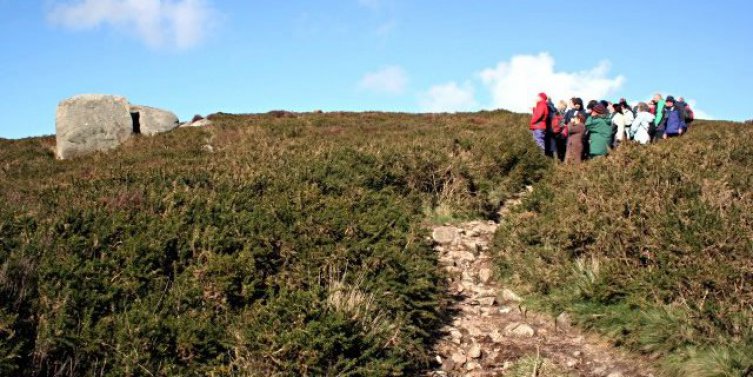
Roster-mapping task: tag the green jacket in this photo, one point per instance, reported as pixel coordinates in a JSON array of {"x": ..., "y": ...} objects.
[
  {"x": 660, "y": 111},
  {"x": 600, "y": 134}
]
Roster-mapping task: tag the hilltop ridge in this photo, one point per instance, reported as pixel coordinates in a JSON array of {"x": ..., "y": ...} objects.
[{"x": 300, "y": 244}]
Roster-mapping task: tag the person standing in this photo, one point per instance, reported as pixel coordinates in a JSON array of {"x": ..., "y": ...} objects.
[
  {"x": 641, "y": 125},
  {"x": 626, "y": 106},
  {"x": 539, "y": 120},
  {"x": 619, "y": 121},
  {"x": 628, "y": 112},
  {"x": 656, "y": 131},
  {"x": 576, "y": 130},
  {"x": 550, "y": 139},
  {"x": 576, "y": 109},
  {"x": 599, "y": 132},
  {"x": 559, "y": 128},
  {"x": 687, "y": 110},
  {"x": 673, "y": 122}
]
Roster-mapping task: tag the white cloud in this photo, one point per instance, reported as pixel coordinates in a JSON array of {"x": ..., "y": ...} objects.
[
  {"x": 388, "y": 80},
  {"x": 514, "y": 84},
  {"x": 449, "y": 97},
  {"x": 698, "y": 113},
  {"x": 178, "y": 24}
]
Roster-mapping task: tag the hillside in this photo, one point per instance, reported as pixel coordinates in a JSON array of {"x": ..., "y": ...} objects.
[
  {"x": 273, "y": 244},
  {"x": 652, "y": 247},
  {"x": 299, "y": 244}
]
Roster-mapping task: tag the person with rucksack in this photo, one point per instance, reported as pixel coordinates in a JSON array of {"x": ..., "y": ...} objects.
[
  {"x": 689, "y": 114},
  {"x": 559, "y": 127},
  {"x": 673, "y": 120},
  {"x": 550, "y": 139},
  {"x": 641, "y": 124},
  {"x": 599, "y": 131},
  {"x": 539, "y": 121}
]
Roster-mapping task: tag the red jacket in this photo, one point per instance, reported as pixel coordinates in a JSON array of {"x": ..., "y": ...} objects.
[{"x": 540, "y": 113}]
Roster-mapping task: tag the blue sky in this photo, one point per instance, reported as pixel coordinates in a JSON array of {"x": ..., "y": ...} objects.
[{"x": 203, "y": 56}]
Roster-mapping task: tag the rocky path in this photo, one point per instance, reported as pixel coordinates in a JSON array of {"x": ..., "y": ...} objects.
[{"x": 494, "y": 335}]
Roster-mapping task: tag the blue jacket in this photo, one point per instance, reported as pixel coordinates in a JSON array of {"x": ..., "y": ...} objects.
[{"x": 673, "y": 120}]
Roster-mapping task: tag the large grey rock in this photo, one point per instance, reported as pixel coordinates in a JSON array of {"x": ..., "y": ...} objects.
[
  {"x": 90, "y": 123},
  {"x": 151, "y": 121}
]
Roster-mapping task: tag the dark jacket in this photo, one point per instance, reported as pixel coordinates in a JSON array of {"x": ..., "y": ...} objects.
[
  {"x": 687, "y": 111},
  {"x": 673, "y": 120},
  {"x": 570, "y": 114}
]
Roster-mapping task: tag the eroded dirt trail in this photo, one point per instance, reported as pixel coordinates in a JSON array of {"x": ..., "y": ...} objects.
[{"x": 494, "y": 335}]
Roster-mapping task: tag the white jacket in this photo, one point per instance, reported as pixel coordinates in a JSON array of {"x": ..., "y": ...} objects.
[
  {"x": 618, "y": 120},
  {"x": 629, "y": 117},
  {"x": 639, "y": 128}
]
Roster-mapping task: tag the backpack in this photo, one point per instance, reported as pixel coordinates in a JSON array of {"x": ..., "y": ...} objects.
[
  {"x": 558, "y": 123},
  {"x": 554, "y": 119},
  {"x": 689, "y": 115}
]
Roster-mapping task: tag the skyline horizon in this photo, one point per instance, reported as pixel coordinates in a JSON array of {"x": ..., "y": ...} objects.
[{"x": 203, "y": 56}]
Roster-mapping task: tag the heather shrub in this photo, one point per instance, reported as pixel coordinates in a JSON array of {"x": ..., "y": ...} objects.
[
  {"x": 296, "y": 245},
  {"x": 652, "y": 246}
]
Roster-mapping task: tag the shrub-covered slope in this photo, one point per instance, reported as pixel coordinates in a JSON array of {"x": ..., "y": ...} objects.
[
  {"x": 263, "y": 245},
  {"x": 653, "y": 246}
]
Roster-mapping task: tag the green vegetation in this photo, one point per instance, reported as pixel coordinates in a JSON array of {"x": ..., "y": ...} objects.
[
  {"x": 652, "y": 246},
  {"x": 535, "y": 366},
  {"x": 264, "y": 245}
]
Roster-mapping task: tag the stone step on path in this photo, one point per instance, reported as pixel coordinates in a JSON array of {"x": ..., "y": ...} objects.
[{"x": 492, "y": 330}]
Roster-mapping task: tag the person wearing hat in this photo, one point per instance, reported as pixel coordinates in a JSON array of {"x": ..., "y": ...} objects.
[
  {"x": 599, "y": 131},
  {"x": 673, "y": 120},
  {"x": 538, "y": 121}
]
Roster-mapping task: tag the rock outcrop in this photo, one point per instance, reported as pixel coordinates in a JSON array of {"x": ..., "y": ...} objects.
[
  {"x": 151, "y": 121},
  {"x": 90, "y": 123},
  {"x": 97, "y": 122}
]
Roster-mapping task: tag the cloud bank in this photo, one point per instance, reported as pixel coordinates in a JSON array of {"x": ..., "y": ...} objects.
[
  {"x": 388, "y": 80},
  {"x": 180, "y": 24},
  {"x": 514, "y": 84},
  {"x": 699, "y": 114}
]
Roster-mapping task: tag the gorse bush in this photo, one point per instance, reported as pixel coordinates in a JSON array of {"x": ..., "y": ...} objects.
[
  {"x": 653, "y": 246},
  {"x": 292, "y": 246}
]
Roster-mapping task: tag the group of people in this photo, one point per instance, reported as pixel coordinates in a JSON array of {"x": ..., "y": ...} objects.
[{"x": 572, "y": 132}]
